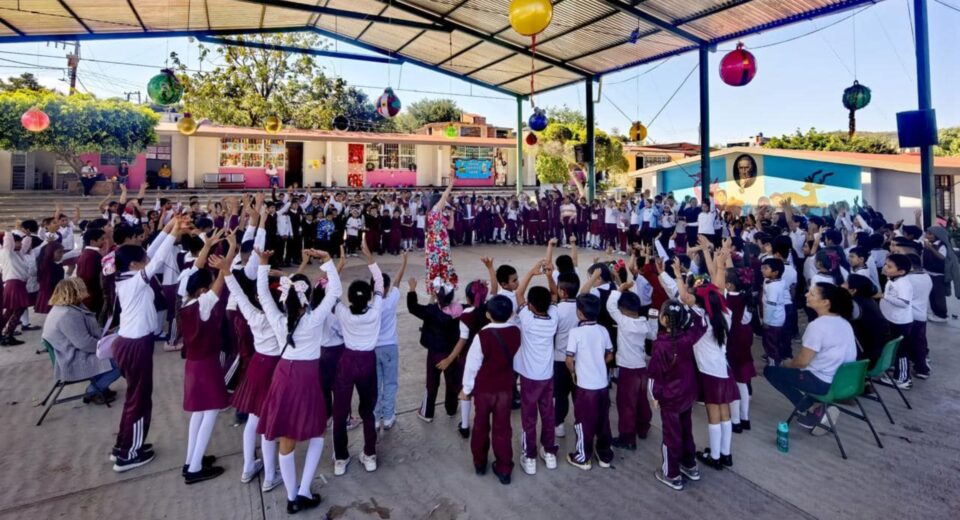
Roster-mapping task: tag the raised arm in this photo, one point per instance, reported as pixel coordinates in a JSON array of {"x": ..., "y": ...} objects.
[
  {"x": 270, "y": 309},
  {"x": 494, "y": 286},
  {"x": 402, "y": 270},
  {"x": 573, "y": 251},
  {"x": 522, "y": 288},
  {"x": 548, "y": 257},
  {"x": 207, "y": 246},
  {"x": 334, "y": 289},
  {"x": 442, "y": 203}
]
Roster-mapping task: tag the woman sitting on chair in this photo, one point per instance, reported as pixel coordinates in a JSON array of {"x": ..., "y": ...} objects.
[
  {"x": 828, "y": 342},
  {"x": 72, "y": 330}
]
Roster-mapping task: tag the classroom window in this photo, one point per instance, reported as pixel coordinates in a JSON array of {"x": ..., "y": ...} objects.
[
  {"x": 473, "y": 152},
  {"x": 391, "y": 156}
]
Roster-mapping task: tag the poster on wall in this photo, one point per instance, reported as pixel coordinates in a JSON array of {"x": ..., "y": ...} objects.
[
  {"x": 473, "y": 168},
  {"x": 355, "y": 166}
]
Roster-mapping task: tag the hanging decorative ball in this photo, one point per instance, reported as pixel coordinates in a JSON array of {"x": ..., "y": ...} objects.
[
  {"x": 35, "y": 120},
  {"x": 450, "y": 132},
  {"x": 272, "y": 124},
  {"x": 638, "y": 132},
  {"x": 531, "y": 139},
  {"x": 530, "y": 17},
  {"x": 341, "y": 123},
  {"x": 165, "y": 88},
  {"x": 738, "y": 67},
  {"x": 538, "y": 120},
  {"x": 388, "y": 104},
  {"x": 855, "y": 97},
  {"x": 187, "y": 125}
]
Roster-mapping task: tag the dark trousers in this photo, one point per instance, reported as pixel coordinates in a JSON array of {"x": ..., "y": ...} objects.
[
  {"x": 901, "y": 368},
  {"x": 135, "y": 360},
  {"x": 938, "y": 296},
  {"x": 918, "y": 333},
  {"x": 9, "y": 319},
  {"x": 793, "y": 383},
  {"x": 790, "y": 328},
  {"x": 356, "y": 369},
  {"x": 563, "y": 389},
  {"x": 87, "y": 185},
  {"x": 329, "y": 360},
  {"x": 592, "y": 411},
  {"x": 678, "y": 446},
  {"x": 495, "y": 407},
  {"x": 633, "y": 408},
  {"x": 295, "y": 249},
  {"x": 353, "y": 244},
  {"x": 467, "y": 232},
  {"x": 771, "y": 343},
  {"x": 610, "y": 236},
  {"x": 537, "y": 397},
  {"x": 452, "y": 376}
]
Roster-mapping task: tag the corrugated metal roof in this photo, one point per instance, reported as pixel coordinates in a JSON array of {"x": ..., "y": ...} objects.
[{"x": 472, "y": 38}]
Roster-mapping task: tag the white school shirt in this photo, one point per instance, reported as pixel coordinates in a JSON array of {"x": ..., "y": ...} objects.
[
  {"x": 643, "y": 289},
  {"x": 512, "y": 296},
  {"x": 706, "y": 222},
  {"x": 264, "y": 339},
  {"x": 632, "y": 334},
  {"x": 588, "y": 345},
  {"x": 797, "y": 238},
  {"x": 869, "y": 271},
  {"x": 332, "y": 335},
  {"x": 611, "y": 215},
  {"x": 895, "y": 304},
  {"x": 360, "y": 331},
  {"x": 774, "y": 300},
  {"x": 353, "y": 226},
  {"x": 475, "y": 358},
  {"x": 13, "y": 264},
  {"x": 789, "y": 281},
  {"x": 831, "y": 337},
  {"x": 139, "y": 317},
  {"x": 67, "y": 237},
  {"x": 921, "y": 284},
  {"x": 711, "y": 356},
  {"x": 535, "y": 359},
  {"x": 635, "y": 218},
  {"x": 388, "y": 319},
  {"x": 207, "y": 301},
  {"x": 306, "y": 337},
  {"x": 567, "y": 320},
  {"x": 878, "y": 257}
]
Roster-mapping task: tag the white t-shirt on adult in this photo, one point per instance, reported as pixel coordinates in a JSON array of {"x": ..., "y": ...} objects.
[
  {"x": 831, "y": 337},
  {"x": 534, "y": 360},
  {"x": 706, "y": 222},
  {"x": 589, "y": 344}
]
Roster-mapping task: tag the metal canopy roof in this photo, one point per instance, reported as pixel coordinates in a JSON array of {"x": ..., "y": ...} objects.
[{"x": 469, "y": 39}]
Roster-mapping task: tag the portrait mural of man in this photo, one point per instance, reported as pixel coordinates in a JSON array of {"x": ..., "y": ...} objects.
[{"x": 745, "y": 171}]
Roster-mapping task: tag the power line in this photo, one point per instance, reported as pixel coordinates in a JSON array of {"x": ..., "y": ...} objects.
[
  {"x": 948, "y": 6},
  {"x": 816, "y": 30}
]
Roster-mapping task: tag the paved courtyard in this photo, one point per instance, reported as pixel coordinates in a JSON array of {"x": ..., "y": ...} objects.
[{"x": 61, "y": 470}]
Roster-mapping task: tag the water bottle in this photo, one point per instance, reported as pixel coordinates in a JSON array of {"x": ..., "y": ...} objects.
[{"x": 783, "y": 437}]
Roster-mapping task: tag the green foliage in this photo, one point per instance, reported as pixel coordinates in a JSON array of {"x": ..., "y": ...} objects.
[
  {"x": 248, "y": 85},
  {"x": 567, "y": 129},
  {"x": 428, "y": 111},
  {"x": 25, "y": 81},
  {"x": 832, "y": 142},
  {"x": 949, "y": 143},
  {"x": 567, "y": 116},
  {"x": 78, "y": 124},
  {"x": 552, "y": 168}
]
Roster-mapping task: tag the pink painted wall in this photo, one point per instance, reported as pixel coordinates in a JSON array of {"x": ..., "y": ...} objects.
[
  {"x": 475, "y": 182},
  {"x": 391, "y": 177},
  {"x": 138, "y": 168},
  {"x": 253, "y": 177}
]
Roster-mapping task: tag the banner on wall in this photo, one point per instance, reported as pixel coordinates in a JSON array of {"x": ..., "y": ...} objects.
[
  {"x": 473, "y": 168},
  {"x": 355, "y": 166}
]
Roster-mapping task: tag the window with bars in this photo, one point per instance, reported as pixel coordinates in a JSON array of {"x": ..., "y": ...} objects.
[
  {"x": 944, "y": 195},
  {"x": 391, "y": 156},
  {"x": 473, "y": 152}
]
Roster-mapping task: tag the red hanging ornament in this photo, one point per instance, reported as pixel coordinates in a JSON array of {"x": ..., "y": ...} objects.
[
  {"x": 738, "y": 67},
  {"x": 35, "y": 120},
  {"x": 531, "y": 139}
]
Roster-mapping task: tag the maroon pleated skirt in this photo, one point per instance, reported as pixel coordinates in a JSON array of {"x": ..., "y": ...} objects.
[
  {"x": 15, "y": 295},
  {"x": 253, "y": 388},
  {"x": 294, "y": 407},
  {"x": 719, "y": 391},
  {"x": 203, "y": 385}
]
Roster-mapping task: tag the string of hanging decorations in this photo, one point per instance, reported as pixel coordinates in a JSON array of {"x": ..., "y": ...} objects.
[{"x": 530, "y": 18}]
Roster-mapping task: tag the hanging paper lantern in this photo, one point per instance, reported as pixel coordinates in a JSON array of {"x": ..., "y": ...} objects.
[
  {"x": 538, "y": 120},
  {"x": 341, "y": 123},
  {"x": 855, "y": 97},
  {"x": 738, "y": 67},
  {"x": 450, "y": 132},
  {"x": 35, "y": 120},
  {"x": 530, "y": 17},
  {"x": 187, "y": 125},
  {"x": 638, "y": 132},
  {"x": 531, "y": 139},
  {"x": 388, "y": 104},
  {"x": 272, "y": 124},
  {"x": 165, "y": 88}
]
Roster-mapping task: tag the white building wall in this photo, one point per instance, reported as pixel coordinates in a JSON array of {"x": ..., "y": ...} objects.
[
  {"x": 896, "y": 194},
  {"x": 6, "y": 171},
  {"x": 314, "y": 172},
  {"x": 179, "y": 157}
]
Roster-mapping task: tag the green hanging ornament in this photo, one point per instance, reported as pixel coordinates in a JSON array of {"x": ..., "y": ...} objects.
[
  {"x": 855, "y": 97},
  {"x": 165, "y": 88},
  {"x": 450, "y": 132}
]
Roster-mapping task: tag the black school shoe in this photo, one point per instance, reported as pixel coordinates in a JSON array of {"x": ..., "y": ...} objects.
[
  {"x": 705, "y": 458},
  {"x": 464, "y": 432},
  {"x": 206, "y": 462},
  {"x": 737, "y": 428},
  {"x": 745, "y": 424},
  {"x": 205, "y": 473},
  {"x": 302, "y": 503},
  {"x": 617, "y": 443},
  {"x": 480, "y": 470},
  {"x": 726, "y": 460},
  {"x": 504, "y": 478},
  {"x": 10, "y": 341}
]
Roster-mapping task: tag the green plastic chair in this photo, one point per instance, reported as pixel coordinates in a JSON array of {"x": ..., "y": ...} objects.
[
  {"x": 884, "y": 367},
  {"x": 59, "y": 385},
  {"x": 848, "y": 384}
]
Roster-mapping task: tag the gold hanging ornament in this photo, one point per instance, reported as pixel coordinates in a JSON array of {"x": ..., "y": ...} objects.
[
  {"x": 272, "y": 124},
  {"x": 187, "y": 125},
  {"x": 638, "y": 132}
]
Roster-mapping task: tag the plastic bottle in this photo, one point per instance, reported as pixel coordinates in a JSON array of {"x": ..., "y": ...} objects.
[{"x": 783, "y": 437}]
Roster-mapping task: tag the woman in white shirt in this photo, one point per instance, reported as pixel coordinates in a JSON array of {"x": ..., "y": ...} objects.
[
  {"x": 828, "y": 342},
  {"x": 273, "y": 175}
]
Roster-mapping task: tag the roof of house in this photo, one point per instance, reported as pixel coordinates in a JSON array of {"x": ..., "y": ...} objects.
[{"x": 907, "y": 163}]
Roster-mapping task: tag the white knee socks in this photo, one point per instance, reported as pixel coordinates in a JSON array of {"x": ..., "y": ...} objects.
[
  {"x": 744, "y": 402},
  {"x": 735, "y": 412},
  {"x": 195, "y": 419},
  {"x": 314, "y": 451},
  {"x": 465, "y": 414},
  {"x": 726, "y": 434},
  {"x": 288, "y": 469},
  {"x": 269, "y": 453},
  {"x": 715, "y": 440},
  {"x": 250, "y": 443},
  {"x": 203, "y": 438}
]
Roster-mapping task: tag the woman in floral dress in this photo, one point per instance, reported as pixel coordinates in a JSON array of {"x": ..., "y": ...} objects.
[{"x": 439, "y": 263}]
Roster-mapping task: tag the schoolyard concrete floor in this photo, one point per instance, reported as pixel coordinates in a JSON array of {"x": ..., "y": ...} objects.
[{"x": 61, "y": 469}]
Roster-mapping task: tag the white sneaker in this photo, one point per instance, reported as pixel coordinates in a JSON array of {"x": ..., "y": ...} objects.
[
  {"x": 560, "y": 431},
  {"x": 548, "y": 458},
  {"x": 270, "y": 483},
  {"x": 934, "y": 318},
  {"x": 529, "y": 466},
  {"x": 388, "y": 423},
  {"x": 424, "y": 418},
  {"x": 369, "y": 462},
  {"x": 246, "y": 477},
  {"x": 340, "y": 466}
]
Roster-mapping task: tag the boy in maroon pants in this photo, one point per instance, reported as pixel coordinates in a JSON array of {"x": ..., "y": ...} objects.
[{"x": 488, "y": 378}]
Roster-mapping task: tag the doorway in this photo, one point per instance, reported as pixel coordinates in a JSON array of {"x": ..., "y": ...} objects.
[{"x": 294, "y": 170}]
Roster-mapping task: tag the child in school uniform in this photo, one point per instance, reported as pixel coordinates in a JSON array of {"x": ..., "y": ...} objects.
[
  {"x": 488, "y": 382},
  {"x": 14, "y": 272},
  {"x": 588, "y": 351},
  {"x": 739, "y": 344},
  {"x": 513, "y": 222},
  {"x": 774, "y": 305},
  {"x": 407, "y": 229},
  {"x": 354, "y": 226},
  {"x": 421, "y": 227},
  {"x": 922, "y": 285},
  {"x": 568, "y": 285},
  {"x": 895, "y": 306},
  {"x": 388, "y": 354},
  {"x": 439, "y": 335}
]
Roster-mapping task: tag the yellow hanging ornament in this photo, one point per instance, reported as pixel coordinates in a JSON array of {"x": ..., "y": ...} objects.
[
  {"x": 530, "y": 17},
  {"x": 272, "y": 124},
  {"x": 187, "y": 125},
  {"x": 638, "y": 132}
]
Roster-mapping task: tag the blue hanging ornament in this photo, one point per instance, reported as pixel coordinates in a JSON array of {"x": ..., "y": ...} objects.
[{"x": 538, "y": 120}]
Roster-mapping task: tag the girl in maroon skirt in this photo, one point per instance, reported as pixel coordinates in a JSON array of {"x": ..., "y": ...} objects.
[
  {"x": 396, "y": 234},
  {"x": 407, "y": 229},
  {"x": 740, "y": 302},
  {"x": 49, "y": 274},
  {"x": 293, "y": 410}
]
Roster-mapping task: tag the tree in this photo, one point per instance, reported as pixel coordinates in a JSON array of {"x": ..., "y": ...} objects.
[
  {"x": 949, "y": 143},
  {"x": 25, "y": 81},
  {"x": 428, "y": 111},
  {"x": 567, "y": 116},
  {"x": 832, "y": 142},
  {"x": 566, "y": 130},
  {"x": 78, "y": 124},
  {"x": 250, "y": 84}
]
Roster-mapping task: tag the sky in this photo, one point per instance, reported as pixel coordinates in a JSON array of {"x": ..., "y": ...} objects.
[{"x": 802, "y": 71}]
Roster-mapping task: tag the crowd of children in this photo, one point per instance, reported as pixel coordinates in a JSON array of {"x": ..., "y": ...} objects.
[{"x": 672, "y": 325}]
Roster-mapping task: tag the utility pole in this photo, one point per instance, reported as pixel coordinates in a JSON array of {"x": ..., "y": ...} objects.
[
  {"x": 73, "y": 61},
  {"x": 130, "y": 94}
]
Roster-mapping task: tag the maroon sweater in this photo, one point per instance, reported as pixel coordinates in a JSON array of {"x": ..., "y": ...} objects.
[{"x": 496, "y": 371}]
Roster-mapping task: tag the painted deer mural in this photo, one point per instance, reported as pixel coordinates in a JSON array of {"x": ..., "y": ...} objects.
[{"x": 810, "y": 185}]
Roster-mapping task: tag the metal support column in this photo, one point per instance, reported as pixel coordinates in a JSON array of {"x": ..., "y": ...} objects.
[
  {"x": 520, "y": 149},
  {"x": 588, "y": 147},
  {"x": 704, "y": 124},
  {"x": 927, "y": 181}
]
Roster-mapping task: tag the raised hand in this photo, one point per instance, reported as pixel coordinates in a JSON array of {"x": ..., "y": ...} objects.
[
  {"x": 412, "y": 282},
  {"x": 264, "y": 256}
]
